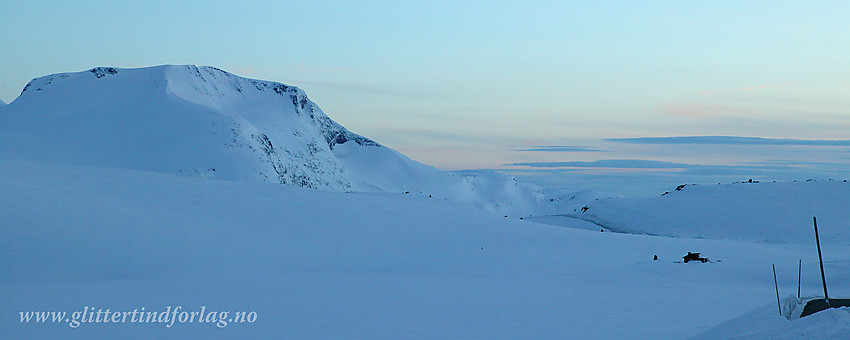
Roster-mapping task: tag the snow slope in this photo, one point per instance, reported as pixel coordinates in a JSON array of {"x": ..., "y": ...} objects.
[
  {"x": 761, "y": 212},
  {"x": 320, "y": 264},
  {"x": 205, "y": 122},
  {"x": 391, "y": 171}
]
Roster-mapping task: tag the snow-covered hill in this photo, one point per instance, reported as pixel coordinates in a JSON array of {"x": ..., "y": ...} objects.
[
  {"x": 205, "y": 122},
  {"x": 761, "y": 212},
  {"x": 200, "y": 122}
]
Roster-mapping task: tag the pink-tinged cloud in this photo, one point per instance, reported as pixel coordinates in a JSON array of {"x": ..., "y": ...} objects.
[
  {"x": 423, "y": 150},
  {"x": 532, "y": 141},
  {"x": 698, "y": 110},
  {"x": 743, "y": 89}
]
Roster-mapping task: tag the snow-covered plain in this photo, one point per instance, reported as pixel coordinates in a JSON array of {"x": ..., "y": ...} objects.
[
  {"x": 318, "y": 264},
  {"x": 162, "y": 186},
  {"x": 759, "y": 212}
]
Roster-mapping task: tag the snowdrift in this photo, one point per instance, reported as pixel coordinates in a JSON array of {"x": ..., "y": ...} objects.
[{"x": 765, "y": 323}]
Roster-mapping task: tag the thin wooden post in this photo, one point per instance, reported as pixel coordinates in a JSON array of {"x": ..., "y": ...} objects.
[
  {"x": 799, "y": 277},
  {"x": 820, "y": 260},
  {"x": 776, "y": 284}
]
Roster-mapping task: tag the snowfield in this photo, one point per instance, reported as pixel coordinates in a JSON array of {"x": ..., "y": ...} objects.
[
  {"x": 188, "y": 186},
  {"x": 759, "y": 212},
  {"x": 318, "y": 264}
]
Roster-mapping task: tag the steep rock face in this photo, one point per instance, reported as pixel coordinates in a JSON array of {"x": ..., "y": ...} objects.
[{"x": 198, "y": 121}]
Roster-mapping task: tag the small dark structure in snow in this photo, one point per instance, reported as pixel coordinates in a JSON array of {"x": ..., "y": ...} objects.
[
  {"x": 817, "y": 305},
  {"x": 694, "y": 257}
]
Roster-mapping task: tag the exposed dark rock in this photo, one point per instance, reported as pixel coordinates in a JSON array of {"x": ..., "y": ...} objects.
[{"x": 101, "y": 72}]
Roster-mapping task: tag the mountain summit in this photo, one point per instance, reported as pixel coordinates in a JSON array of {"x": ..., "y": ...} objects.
[
  {"x": 207, "y": 123},
  {"x": 197, "y": 121}
]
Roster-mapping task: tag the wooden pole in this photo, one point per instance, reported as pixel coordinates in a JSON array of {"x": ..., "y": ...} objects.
[
  {"x": 820, "y": 260},
  {"x": 799, "y": 277},
  {"x": 776, "y": 285}
]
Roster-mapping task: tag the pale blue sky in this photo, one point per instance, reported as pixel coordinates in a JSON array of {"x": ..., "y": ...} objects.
[{"x": 464, "y": 84}]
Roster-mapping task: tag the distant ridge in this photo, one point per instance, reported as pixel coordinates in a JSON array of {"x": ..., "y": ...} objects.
[{"x": 730, "y": 140}]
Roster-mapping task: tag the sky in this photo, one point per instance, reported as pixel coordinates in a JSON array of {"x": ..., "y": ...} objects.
[{"x": 525, "y": 88}]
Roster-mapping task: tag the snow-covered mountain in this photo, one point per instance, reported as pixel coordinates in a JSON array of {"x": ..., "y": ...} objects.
[
  {"x": 205, "y": 122},
  {"x": 98, "y": 210},
  {"x": 176, "y": 119}
]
